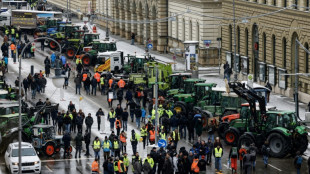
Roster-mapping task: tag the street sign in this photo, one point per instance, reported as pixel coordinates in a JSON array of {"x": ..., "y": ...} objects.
[
  {"x": 174, "y": 58},
  {"x": 150, "y": 46},
  {"x": 207, "y": 43},
  {"x": 162, "y": 143}
]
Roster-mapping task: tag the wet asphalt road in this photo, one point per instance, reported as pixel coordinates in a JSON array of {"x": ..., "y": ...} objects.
[{"x": 57, "y": 164}]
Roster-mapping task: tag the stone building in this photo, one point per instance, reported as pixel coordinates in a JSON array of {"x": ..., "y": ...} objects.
[
  {"x": 78, "y": 7},
  {"x": 265, "y": 44}
]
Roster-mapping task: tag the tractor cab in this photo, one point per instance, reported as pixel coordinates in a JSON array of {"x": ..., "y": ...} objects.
[
  {"x": 89, "y": 38},
  {"x": 135, "y": 64},
  {"x": 9, "y": 108},
  {"x": 189, "y": 85},
  {"x": 177, "y": 82},
  {"x": 164, "y": 71}
]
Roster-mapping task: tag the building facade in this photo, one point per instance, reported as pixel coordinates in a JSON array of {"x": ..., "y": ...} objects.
[
  {"x": 266, "y": 33},
  {"x": 78, "y": 7}
]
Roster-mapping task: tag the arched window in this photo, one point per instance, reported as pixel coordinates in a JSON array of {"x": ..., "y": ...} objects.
[
  {"x": 273, "y": 46},
  {"x": 296, "y": 4},
  {"x": 183, "y": 30},
  {"x": 190, "y": 31},
  {"x": 246, "y": 42},
  {"x": 284, "y": 3},
  {"x": 264, "y": 47},
  {"x": 230, "y": 37},
  {"x": 238, "y": 40},
  {"x": 275, "y": 2},
  {"x": 265, "y": 1},
  {"x": 197, "y": 32},
  {"x": 306, "y": 58},
  {"x": 284, "y": 53},
  {"x": 307, "y": 5}
]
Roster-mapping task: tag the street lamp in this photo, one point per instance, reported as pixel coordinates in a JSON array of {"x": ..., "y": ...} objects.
[{"x": 20, "y": 101}]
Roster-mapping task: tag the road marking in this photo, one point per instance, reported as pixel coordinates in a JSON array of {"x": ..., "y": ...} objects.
[
  {"x": 49, "y": 169},
  {"x": 275, "y": 167},
  {"x": 45, "y": 161}
]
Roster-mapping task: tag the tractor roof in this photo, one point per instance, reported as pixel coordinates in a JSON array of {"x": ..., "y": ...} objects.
[
  {"x": 206, "y": 84},
  {"x": 92, "y": 34},
  {"x": 6, "y": 101},
  {"x": 2, "y": 91},
  {"x": 103, "y": 41},
  {"x": 11, "y": 115},
  {"x": 281, "y": 112},
  {"x": 8, "y": 105},
  {"x": 181, "y": 74},
  {"x": 194, "y": 80},
  {"x": 42, "y": 126}
]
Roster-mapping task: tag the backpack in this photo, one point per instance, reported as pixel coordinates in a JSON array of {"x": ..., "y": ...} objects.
[{"x": 299, "y": 160}]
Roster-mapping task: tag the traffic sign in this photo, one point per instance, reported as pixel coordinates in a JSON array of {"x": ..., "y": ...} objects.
[
  {"x": 174, "y": 58},
  {"x": 162, "y": 143},
  {"x": 207, "y": 43},
  {"x": 150, "y": 46}
]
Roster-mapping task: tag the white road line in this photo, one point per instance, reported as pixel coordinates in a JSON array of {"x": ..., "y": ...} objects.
[
  {"x": 45, "y": 161},
  {"x": 49, "y": 169},
  {"x": 275, "y": 167}
]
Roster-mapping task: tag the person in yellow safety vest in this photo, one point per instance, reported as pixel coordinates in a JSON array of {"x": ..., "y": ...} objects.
[
  {"x": 121, "y": 166},
  {"x": 97, "y": 147},
  {"x": 107, "y": 145},
  {"x": 194, "y": 165},
  {"x": 162, "y": 135},
  {"x": 7, "y": 31},
  {"x": 111, "y": 117},
  {"x": 160, "y": 111},
  {"x": 153, "y": 117},
  {"x": 150, "y": 160},
  {"x": 175, "y": 137},
  {"x": 218, "y": 153},
  {"x": 115, "y": 165},
  {"x": 17, "y": 35},
  {"x": 78, "y": 61},
  {"x": 13, "y": 32},
  {"x": 116, "y": 147},
  {"x": 169, "y": 113},
  {"x": 143, "y": 132},
  {"x": 102, "y": 85},
  {"x": 126, "y": 161},
  {"x": 134, "y": 159},
  {"x": 95, "y": 166}
]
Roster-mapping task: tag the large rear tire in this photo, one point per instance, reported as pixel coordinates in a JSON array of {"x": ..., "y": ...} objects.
[
  {"x": 279, "y": 145},
  {"x": 180, "y": 107},
  {"x": 86, "y": 59},
  {"x": 245, "y": 140},
  {"x": 222, "y": 128},
  {"x": 70, "y": 52},
  {"x": 49, "y": 149},
  {"x": 231, "y": 137},
  {"x": 53, "y": 45}
]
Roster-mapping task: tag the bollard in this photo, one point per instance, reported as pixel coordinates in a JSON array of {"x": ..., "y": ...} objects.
[{"x": 32, "y": 70}]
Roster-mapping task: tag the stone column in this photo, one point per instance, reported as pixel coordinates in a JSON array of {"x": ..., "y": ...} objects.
[
  {"x": 162, "y": 27},
  {"x": 128, "y": 25},
  {"x": 116, "y": 28},
  {"x": 153, "y": 32},
  {"x": 140, "y": 29},
  {"x": 134, "y": 25}
]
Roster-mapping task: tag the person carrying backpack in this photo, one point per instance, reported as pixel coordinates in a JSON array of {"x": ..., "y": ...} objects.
[
  {"x": 298, "y": 161},
  {"x": 265, "y": 152},
  {"x": 233, "y": 155}
]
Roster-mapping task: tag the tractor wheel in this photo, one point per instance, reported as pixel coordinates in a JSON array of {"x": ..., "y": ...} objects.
[
  {"x": 229, "y": 112},
  {"x": 180, "y": 107},
  {"x": 86, "y": 59},
  {"x": 70, "y": 52},
  {"x": 49, "y": 149},
  {"x": 303, "y": 146},
  {"x": 279, "y": 145},
  {"x": 231, "y": 137},
  {"x": 52, "y": 45},
  {"x": 222, "y": 128},
  {"x": 245, "y": 140}
]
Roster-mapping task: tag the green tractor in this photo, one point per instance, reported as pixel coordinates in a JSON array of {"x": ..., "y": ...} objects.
[
  {"x": 186, "y": 86},
  {"x": 64, "y": 30},
  {"x": 48, "y": 26},
  {"x": 79, "y": 40},
  {"x": 177, "y": 81},
  {"x": 135, "y": 64},
  {"x": 89, "y": 54},
  {"x": 281, "y": 129}
]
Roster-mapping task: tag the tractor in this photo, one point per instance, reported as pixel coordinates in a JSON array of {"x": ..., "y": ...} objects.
[
  {"x": 177, "y": 81},
  {"x": 281, "y": 129},
  {"x": 64, "y": 31},
  {"x": 89, "y": 54},
  {"x": 186, "y": 86},
  {"x": 48, "y": 26},
  {"x": 44, "y": 138}
]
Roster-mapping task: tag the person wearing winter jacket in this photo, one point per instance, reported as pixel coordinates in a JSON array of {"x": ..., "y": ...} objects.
[
  {"x": 78, "y": 143},
  {"x": 125, "y": 119},
  {"x": 89, "y": 122},
  {"x": 93, "y": 86},
  {"x": 87, "y": 83},
  {"x": 66, "y": 139},
  {"x": 132, "y": 107},
  {"x": 120, "y": 95},
  {"x": 233, "y": 155},
  {"x": 99, "y": 114},
  {"x": 79, "y": 122},
  {"x": 168, "y": 167},
  {"x": 174, "y": 122},
  {"x": 183, "y": 121},
  {"x": 147, "y": 169},
  {"x": 119, "y": 111},
  {"x": 265, "y": 152},
  {"x": 138, "y": 114}
]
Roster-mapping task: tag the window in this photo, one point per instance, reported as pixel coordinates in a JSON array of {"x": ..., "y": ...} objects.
[
  {"x": 238, "y": 40},
  {"x": 230, "y": 37},
  {"x": 265, "y": 1},
  {"x": 197, "y": 31},
  {"x": 306, "y": 58},
  {"x": 284, "y": 53},
  {"x": 275, "y": 2},
  {"x": 273, "y": 49},
  {"x": 284, "y": 3},
  {"x": 296, "y": 4},
  {"x": 246, "y": 42},
  {"x": 264, "y": 47},
  {"x": 307, "y": 5}
]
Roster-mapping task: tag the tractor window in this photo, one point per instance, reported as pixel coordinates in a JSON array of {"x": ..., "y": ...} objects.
[
  {"x": 287, "y": 120},
  {"x": 175, "y": 82},
  {"x": 2, "y": 111},
  {"x": 271, "y": 121},
  {"x": 188, "y": 88},
  {"x": 3, "y": 96}
]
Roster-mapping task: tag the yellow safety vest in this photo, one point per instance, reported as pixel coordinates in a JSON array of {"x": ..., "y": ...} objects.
[
  {"x": 17, "y": 35},
  {"x": 96, "y": 144},
  {"x": 102, "y": 81},
  {"x": 169, "y": 113},
  {"x": 12, "y": 31},
  {"x": 143, "y": 132},
  {"x": 160, "y": 112},
  {"x": 112, "y": 115},
  {"x": 218, "y": 152},
  {"x": 126, "y": 161},
  {"x": 115, "y": 166},
  {"x": 153, "y": 114},
  {"x": 106, "y": 145},
  {"x": 7, "y": 31},
  {"x": 162, "y": 135},
  {"x": 151, "y": 161},
  {"x": 173, "y": 135},
  {"x": 115, "y": 144}
]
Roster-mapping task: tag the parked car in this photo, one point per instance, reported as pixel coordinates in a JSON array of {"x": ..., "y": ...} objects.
[{"x": 31, "y": 163}]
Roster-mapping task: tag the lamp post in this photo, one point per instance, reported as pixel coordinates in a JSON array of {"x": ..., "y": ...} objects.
[{"x": 20, "y": 101}]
